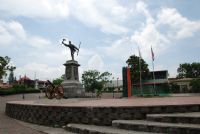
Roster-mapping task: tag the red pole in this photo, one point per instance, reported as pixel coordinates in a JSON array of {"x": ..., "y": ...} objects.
[{"x": 129, "y": 81}]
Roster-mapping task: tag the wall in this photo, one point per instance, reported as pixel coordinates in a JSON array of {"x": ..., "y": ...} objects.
[{"x": 60, "y": 115}]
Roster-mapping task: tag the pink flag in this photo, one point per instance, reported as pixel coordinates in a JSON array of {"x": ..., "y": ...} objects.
[{"x": 152, "y": 54}]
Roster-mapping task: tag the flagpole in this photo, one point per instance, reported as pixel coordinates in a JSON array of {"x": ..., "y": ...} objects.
[
  {"x": 140, "y": 77},
  {"x": 140, "y": 57},
  {"x": 154, "y": 86}
]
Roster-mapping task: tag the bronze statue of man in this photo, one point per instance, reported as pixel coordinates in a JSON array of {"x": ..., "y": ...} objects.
[{"x": 72, "y": 48}]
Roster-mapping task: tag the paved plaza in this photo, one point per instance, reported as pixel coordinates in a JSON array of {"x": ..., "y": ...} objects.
[
  {"x": 123, "y": 102},
  {"x": 12, "y": 126}
]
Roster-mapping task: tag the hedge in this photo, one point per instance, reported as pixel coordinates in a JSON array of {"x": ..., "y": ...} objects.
[{"x": 18, "y": 89}]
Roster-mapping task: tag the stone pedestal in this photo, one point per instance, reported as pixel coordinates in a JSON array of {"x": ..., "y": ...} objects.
[{"x": 72, "y": 86}]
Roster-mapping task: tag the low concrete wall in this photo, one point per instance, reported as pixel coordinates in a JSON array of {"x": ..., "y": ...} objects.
[{"x": 61, "y": 115}]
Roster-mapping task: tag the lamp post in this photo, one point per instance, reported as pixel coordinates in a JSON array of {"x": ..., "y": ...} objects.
[
  {"x": 113, "y": 87},
  {"x": 117, "y": 84}
]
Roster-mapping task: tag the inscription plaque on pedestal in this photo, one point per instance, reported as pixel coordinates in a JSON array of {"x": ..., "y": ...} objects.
[{"x": 72, "y": 86}]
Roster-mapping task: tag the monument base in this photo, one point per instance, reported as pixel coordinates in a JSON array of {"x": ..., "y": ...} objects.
[{"x": 73, "y": 89}]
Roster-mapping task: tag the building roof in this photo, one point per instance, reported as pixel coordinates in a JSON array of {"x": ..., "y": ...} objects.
[
  {"x": 24, "y": 78},
  {"x": 180, "y": 80},
  {"x": 159, "y": 71},
  {"x": 114, "y": 83}
]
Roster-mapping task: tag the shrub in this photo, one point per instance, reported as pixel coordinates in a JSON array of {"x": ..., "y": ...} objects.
[{"x": 17, "y": 89}]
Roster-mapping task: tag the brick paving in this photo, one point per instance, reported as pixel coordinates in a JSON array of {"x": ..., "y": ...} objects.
[
  {"x": 9, "y": 125},
  {"x": 134, "y": 101}
]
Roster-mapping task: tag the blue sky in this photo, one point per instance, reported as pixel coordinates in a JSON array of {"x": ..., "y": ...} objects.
[{"x": 110, "y": 31}]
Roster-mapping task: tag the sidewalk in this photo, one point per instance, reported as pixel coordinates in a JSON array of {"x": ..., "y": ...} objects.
[
  {"x": 13, "y": 126},
  {"x": 185, "y": 94},
  {"x": 9, "y": 125}
]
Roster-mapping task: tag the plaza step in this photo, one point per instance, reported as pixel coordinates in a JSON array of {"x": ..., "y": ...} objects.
[
  {"x": 190, "y": 118},
  {"x": 92, "y": 129},
  {"x": 158, "y": 127}
]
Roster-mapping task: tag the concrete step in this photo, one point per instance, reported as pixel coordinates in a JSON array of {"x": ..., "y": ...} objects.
[
  {"x": 190, "y": 118},
  {"x": 92, "y": 129},
  {"x": 159, "y": 127}
]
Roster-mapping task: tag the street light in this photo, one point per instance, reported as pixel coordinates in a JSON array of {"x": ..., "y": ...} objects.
[
  {"x": 113, "y": 87},
  {"x": 117, "y": 84}
]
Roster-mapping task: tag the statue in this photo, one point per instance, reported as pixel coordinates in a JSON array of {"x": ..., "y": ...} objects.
[
  {"x": 71, "y": 84},
  {"x": 72, "y": 48}
]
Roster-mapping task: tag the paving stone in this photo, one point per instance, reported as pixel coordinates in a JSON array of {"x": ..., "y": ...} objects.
[
  {"x": 195, "y": 108},
  {"x": 172, "y": 128},
  {"x": 190, "y": 118},
  {"x": 92, "y": 129},
  {"x": 101, "y": 111}
]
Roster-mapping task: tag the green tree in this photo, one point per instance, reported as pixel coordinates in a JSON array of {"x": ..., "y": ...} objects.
[
  {"x": 94, "y": 80},
  {"x": 195, "y": 85},
  {"x": 4, "y": 66},
  {"x": 188, "y": 70},
  {"x": 58, "y": 81},
  {"x": 133, "y": 62},
  {"x": 11, "y": 78}
]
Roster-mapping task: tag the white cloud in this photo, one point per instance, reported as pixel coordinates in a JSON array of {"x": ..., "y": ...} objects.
[
  {"x": 180, "y": 26},
  {"x": 43, "y": 71},
  {"x": 120, "y": 49},
  {"x": 107, "y": 15},
  {"x": 104, "y": 14},
  {"x": 172, "y": 70},
  {"x": 96, "y": 62},
  {"x": 150, "y": 36},
  {"x": 150, "y": 33},
  {"x": 119, "y": 13},
  {"x": 35, "y": 9},
  {"x": 38, "y": 42},
  {"x": 84, "y": 55},
  {"x": 17, "y": 29},
  {"x": 141, "y": 7},
  {"x": 11, "y": 32}
]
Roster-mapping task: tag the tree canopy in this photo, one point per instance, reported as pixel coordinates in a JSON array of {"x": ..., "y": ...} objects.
[
  {"x": 195, "y": 85},
  {"x": 188, "y": 70},
  {"x": 58, "y": 81},
  {"x": 4, "y": 61},
  {"x": 11, "y": 75},
  {"x": 133, "y": 62},
  {"x": 94, "y": 80}
]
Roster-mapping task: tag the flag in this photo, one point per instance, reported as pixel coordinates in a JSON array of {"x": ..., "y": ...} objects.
[{"x": 152, "y": 54}]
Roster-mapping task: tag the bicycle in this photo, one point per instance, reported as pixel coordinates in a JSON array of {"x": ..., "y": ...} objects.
[{"x": 53, "y": 91}]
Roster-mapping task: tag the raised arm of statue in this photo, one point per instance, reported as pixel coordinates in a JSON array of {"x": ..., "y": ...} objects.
[
  {"x": 63, "y": 42},
  {"x": 72, "y": 48}
]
